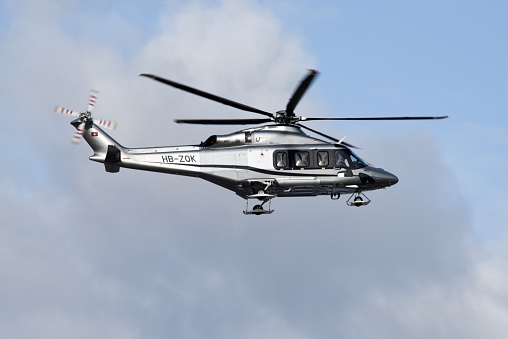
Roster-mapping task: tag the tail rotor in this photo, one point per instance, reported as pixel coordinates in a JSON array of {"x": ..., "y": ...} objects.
[{"x": 85, "y": 118}]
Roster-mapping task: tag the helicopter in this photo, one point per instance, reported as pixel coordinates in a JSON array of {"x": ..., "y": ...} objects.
[{"x": 261, "y": 163}]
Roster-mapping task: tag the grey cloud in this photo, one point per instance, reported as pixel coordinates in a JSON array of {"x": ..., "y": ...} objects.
[{"x": 131, "y": 255}]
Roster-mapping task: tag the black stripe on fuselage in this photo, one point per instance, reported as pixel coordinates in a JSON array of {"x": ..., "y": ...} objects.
[{"x": 258, "y": 170}]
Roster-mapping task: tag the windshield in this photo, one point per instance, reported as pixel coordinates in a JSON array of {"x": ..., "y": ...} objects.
[
  {"x": 344, "y": 158},
  {"x": 357, "y": 161}
]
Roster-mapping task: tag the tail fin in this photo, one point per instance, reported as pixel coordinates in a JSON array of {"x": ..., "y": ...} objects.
[{"x": 106, "y": 149}]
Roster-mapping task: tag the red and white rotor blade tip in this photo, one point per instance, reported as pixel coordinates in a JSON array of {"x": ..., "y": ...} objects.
[
  {"x": 79, "y": 134},
  {"x": 92, "y": 99},
  {"x": 106, "y": 123},
  {"x": 65, "y": 111}
]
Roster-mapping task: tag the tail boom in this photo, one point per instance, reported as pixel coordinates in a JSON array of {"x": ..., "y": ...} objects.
[{"x": 182, "y": 160}]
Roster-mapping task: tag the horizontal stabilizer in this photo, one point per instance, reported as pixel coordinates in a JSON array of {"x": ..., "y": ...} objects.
[
  {"x": 113, "y": 155},
  {"x": 112, "y": 158},
  {"x": 112, "y": 168}
]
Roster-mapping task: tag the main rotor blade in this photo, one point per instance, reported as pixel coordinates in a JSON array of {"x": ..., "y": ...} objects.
[
  {"x": 380, "y": 118},
  {"x": 223, "y": 121},
  {"x": 327, "y": 136},
  {"x": 299, "y": 92},
  {"x": 208, "y": 95}
]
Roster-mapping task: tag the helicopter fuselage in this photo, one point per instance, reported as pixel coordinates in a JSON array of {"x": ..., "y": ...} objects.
[{"x": 263, "y": 162}]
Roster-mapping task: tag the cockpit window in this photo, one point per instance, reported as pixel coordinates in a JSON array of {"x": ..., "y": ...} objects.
[
  {"x": 358, "y": 163},
  {"x": 302, "y": 159},
  {"x": 322, "y": 158},
  {"x": 347, "y": 159}
]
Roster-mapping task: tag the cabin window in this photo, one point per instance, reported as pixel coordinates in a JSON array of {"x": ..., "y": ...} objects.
[
  {"x": 281, "y": 159},
  {"x": 341, "y": 159},
  {"x": 322, "y": 158},
  {"x": 302, "y": 159}
]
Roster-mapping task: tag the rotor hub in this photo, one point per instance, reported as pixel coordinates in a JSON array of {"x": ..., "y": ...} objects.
[
  {"x": 86, "y": 116},
  {"x": 283, "y": 118}
]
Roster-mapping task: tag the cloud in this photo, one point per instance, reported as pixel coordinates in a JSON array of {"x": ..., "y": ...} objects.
[{"x": 90, "y": 254}]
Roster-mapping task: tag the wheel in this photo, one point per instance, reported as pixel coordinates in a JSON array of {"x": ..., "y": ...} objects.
[
  {"x": 358, "y": 201},
  {"x": 257, "y": 208}
]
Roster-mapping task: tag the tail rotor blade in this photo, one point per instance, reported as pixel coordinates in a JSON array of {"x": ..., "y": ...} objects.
[
  {"x": 79, "y": 133},
  {"x": 92, "y": 99},
  {"x": 106, "y": 123},
  {"x": 65, "y": 111}
]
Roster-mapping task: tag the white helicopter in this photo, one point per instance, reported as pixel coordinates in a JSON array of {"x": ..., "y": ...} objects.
[{"x": 261, "y": 163}]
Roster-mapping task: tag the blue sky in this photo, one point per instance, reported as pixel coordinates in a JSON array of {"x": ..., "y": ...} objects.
[
  {"x": 431, "y": 58},
  {"x": 85, "y": 253}
]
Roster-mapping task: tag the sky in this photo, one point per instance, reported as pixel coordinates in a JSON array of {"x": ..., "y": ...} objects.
[{"x": 85, "y": 253}]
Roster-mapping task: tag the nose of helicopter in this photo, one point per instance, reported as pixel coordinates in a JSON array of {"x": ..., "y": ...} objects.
[
  {"x": 385, "y": 178},
  {"x": 392, "y": 179}
]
